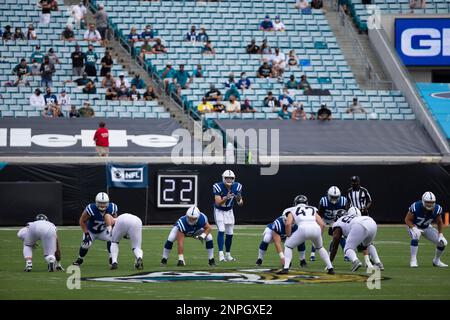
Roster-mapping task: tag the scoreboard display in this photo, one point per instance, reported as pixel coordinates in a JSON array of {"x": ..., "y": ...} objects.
[{"x": 177, "y": 190}]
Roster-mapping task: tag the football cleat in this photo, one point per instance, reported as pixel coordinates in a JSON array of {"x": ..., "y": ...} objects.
[
  {"x": 78, "y": 262},
  {"x": 413, "y": 263},
  {"x": 330, "y": 271},
  {"x": 356, "y": 265},
  {"x": 439, "y": 263},
  {"x": 283, "y": 271},
  {"x": 212, "y": 262},
  {"x": 114, "y": 266},
  {"x": 59, "y": 267},
  {"x": 312, "y": 258},
  {"x": 181, "y": 263},
  {"x": 51, "y": 266},
  {"x": 303, "y": 263},
  {"x": 228, "y": 257},
  {"x": 379, "y": 266},
  {"x": 139, "y": 264},
  {"x": 28, "y": 267},
  {"x": 221, "y": 256},
  {"x": 259, "y": 262},
  {"x": 110, "y": 261},
  {"x": 163, "y": 262}
]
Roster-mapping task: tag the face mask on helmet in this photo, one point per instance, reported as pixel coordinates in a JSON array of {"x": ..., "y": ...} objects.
[
  {"x": 428, "y": 200},
  {"x": 228, "y": 177},
  {"x": 102, "y": 201},
  {"x": 300, "y": 199},
  {"x": 334, "y": 194},
  {"x": 192, "y": 215}
]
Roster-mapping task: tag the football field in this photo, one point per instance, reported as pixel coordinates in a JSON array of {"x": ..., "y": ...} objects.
[{"x": 230, "y": 280}]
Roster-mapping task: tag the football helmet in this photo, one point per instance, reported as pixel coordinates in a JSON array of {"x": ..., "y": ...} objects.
[
  {"x": 429, "y": 200},
  {"x": 192, "y": 214},
  {"x": 102, "y": 201},
  {"x": 41, "y": 216},
  {"x": 300, "y": 199},
  {"x": 334, "y": 194},
  {"x": 354, "y": 211},
  {"x": 228, "y": 177}
]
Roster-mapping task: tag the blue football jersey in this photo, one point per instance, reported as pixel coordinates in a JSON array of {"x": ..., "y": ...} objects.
[
  {"x": 330, "y": 210},
  {"x": 279, "y": 227},
  {"x": 422, "y": 216},
  {"x": 188, "y": 229},
  {"x": 220, "y": 189},
  {"x": 96, "y": 222}
]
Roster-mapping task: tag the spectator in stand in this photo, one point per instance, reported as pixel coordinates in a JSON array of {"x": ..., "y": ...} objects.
[
  {"x": 299, "y": 113},
  {"x": 83, "y": 81},
  {"x": 265, "y": 70},
  {"x": 79, "y": 13},
  {"x": 278, "y": 25},
  {"x": 31, "y": 33},
  {"x": 213, "y": 94},
  {"x": 101, "y": 21},
  {"x": 292, "y": 83},
  {"x": 230, "y": 81},
  {"x": 355, "y": 107},
  {"x": 47, "y": 112},
  {"x": 47, "y": 71},
  {"x": 7, "y": 34},
  {"x": 148, "y": 34},
  {"x": 92, "y": 34},
  {"x": 232, "y": 105},
  {"x": 50, "y": 98},
  {"x": 53, "y": 57},
  {"x": 45, "y": 11},
  {"x": 246, "y": 107},
  {"x": 302, "y": 4},
  {"x": 244, "y": 82},
  {"x": 292, "y": 58},
  {"x": 57, "y": 112},
  {"x": 86, "y": 110},
  {"x": 208, "y": 48},
  {"x": 233, "y": 91},
  {"x": 284, "y": 114},
  {"x": 174, "y": 89},
  {"x": 90, "y": 61},
  {"x": 37, "y": 100},
  {"x": 324, "y": 114},
  {"x": 158, "y": 47},
  {"x": 278, "y": 64},
  {"x": 205, "y": 106},
  {"x": 198, "y": 72},
  {"x": 53, "y": 5},
  {"x": 191, "y": 35},
  {"x": 64, "y": 101},
  {"x": 285, "y": 98},
  {"x": 18, "y": 34},
  {"x": 265, "y": 48},
  {"x": 146, "y": 48},
  {"x": 122, "y": 93},
  {"x": 312, "y": 116},
  {"x": 202, "y": 36},
  {"x": 266, "y": 24},
  {"x": 101, "y": 138},
  {"x": 218, "y": 106},
  {"x": 77, "y": 62},
  {"x": 149, "y": 94},
  {"x": 183, "y": 77},
  {"x": 138, "y": 82},
  {"x": 90, "y": 88},
  {"x": 317, "y": 4},
  {"x": 73, "y": 113},
  {"x": 122, "y": 81},
  {"x": 415, "y": 4},
  {"x": 22, "y": 71},
  {"x": 111, "y": 94},
  {"x": 133, "y": 37},
  {"x": 253, "y": 48},
  {"x": 35, "y": 68},
  {"x": 271, "y": 102},
  {"x": 167, "y": 73},
  {"x": 304, "y": 84},
  {"x": 67, "y": 34},
  {"x": 134, "y": 94},
  {"x": 107, "y": 63},
  {"x": 38, "y": 55}
]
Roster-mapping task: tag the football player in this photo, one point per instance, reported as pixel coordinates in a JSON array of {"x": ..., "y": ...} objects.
[
  {"x": 310, "y": 227},
  {"x": 276, "y": 232},
  {"x": 193, "y": 224},
  {"x": 330, "y": 205},
  {"x": 41, "y": 229},
  {"x": 92, "y": 222},
  {"x": 418, "y": 219},
  {"x": 130, "y": 227},
  {"x": 226, "y": 193},
  {"x": 360, "y": 231}
]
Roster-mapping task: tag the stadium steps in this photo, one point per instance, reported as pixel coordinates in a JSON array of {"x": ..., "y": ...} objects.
[{"x": 347, "y": 46}]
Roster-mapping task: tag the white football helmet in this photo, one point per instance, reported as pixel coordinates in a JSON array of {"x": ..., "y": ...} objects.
[
  {"x": 228, "y": 177},
  {"x": 354, "y": 211},
  {"x": 429, "y": 200},
  {"x": 102, "y": 201},
  {"x": 192, "y": 214},
  {"x": 334, "y": 194}
]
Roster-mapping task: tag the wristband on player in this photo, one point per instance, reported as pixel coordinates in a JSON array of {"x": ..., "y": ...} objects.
[
  {"x": 203, "y": 235},
  {"x": 281, "y": 254}
]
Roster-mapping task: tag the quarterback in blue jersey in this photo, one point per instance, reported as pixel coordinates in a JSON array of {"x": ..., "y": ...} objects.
[
  {"x": 276, "y": 232},
  {"x": 226, "y": 193},
  {"x": 331, "y": 206},
  {"x": 96, "y": 222},
  {"x": 418, "y": 219},
  {"x": 193, "y": 224}
]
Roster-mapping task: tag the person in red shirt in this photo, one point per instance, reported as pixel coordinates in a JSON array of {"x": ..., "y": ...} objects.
[{"x": 101, "y": 138}]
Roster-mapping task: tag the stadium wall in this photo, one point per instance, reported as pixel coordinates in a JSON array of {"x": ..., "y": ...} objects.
[{"x": 393, "y": 188}]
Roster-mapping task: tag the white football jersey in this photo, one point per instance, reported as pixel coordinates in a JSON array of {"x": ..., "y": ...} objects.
[
  {"x": 302, "y": 213},
  {"x": 41, "y": 227},
  {"x": 346, "y": 222}
]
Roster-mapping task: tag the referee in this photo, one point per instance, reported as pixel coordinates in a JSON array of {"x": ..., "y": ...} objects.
[{"x": 358, "y": 196}]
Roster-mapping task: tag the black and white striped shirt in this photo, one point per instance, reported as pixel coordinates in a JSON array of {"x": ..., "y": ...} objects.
[{"x": 358, "y": 198}]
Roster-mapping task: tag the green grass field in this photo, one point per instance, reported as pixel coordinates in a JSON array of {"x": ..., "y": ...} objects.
[{"x": 425, "y": 282}]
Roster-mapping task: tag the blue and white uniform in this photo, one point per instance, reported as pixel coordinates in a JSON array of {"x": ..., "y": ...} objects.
[
  {"x": 96, "y": 223},
  {"x": 329, "y": 210},
  {"x": 224, "y": 214},
  {"x": 278, "y": 227},
  {"x": 423, "y": 219}
]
